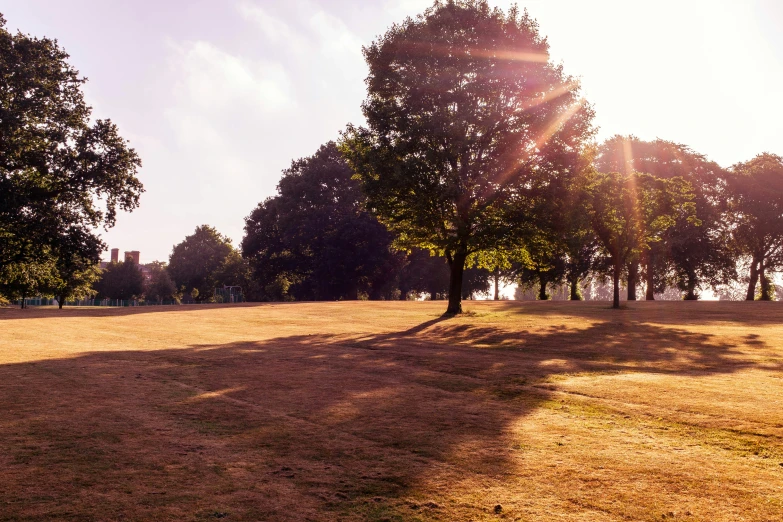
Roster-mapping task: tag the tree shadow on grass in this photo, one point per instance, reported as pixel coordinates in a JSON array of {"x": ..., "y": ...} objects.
[
  {"x": 309, "y": 427},
  {"x": 660, "y": 312}
]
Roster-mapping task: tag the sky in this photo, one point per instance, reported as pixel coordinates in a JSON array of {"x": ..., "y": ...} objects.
[{"x": 219, "y": 96}]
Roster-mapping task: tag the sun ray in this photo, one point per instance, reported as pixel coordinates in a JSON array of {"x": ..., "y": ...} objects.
[
  {"x": 628, "y": 162},
  {"x": 556, "y": 124}
]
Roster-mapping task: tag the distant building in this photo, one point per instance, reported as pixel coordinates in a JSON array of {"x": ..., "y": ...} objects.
[{"x": 132, "y": 255}]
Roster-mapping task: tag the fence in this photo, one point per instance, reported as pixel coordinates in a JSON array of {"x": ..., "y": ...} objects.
[
  {"x": 229, "y": 294},
  {"x": 40, "y": 301}
]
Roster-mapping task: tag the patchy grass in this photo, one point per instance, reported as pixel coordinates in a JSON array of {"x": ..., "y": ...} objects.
[{"x": 391, "y": 412}]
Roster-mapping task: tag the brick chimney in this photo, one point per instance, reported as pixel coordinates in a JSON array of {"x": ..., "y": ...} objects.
[
  {"x": 136, "y": 256},
  {"x": 115, "y": 255}
]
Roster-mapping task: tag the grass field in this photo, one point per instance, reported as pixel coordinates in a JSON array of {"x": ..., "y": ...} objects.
[{"x": 386, "y": 411}]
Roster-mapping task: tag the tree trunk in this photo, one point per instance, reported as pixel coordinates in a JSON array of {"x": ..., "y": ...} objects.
[
  {"x": 691, "y": 295},
  {"x": 754, "y": 277},
  {"x": 575, "y": 295},
  {"x": 616, "y": 286},
  {"x": 542, "y": 295},
  {"x": 765, "y": 286},
  {"x": 633, "y": 276},
  {"x": 497, "y": 284},
  {"x": 60, "y": 301},
  {"x": 650, "y": 293},
  {"x": 457, "y": 265}
]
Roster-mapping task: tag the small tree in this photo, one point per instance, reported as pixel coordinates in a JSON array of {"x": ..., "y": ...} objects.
[
  {"x": 196, "y": 261},
  {"x": 27, "y": 279},
  {"x": 159, "y": 287},
  {"x": 74, "y": 282},
  {"x": 121, "y": 281}
]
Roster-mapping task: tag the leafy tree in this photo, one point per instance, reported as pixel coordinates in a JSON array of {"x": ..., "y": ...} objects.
[
  {"x": 544, "y": 266},
  {"x": 21, "y": 280},
  {"x": 235, "y": 271},
  {"x": 562, "y": 220},
  {"x": 196, "y": 262},
  {"x": 316, "y": 240},
  {"x": 697, "y": 251},
  {"x": 75, "y": 280},
  {"x": 757, "y": 192},
  {"x": 629, "y": 212},
  {"x": 61, "y": 175},
  {"x": 463, "y": 108},
  {"x": 159, "y": 286},
  {"x": 121, "y": 281},
  {"x": 476, "y": 283}
]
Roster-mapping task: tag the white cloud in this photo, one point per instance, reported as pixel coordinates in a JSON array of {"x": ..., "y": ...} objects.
[{"x": 213, "y": 79}]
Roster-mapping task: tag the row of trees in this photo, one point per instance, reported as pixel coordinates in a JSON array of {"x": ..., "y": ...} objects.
[
  {"x": 202, "y": 262},
  {"x": 479, "y": 150},
  {"x": 477, "y": 163},
  {"x": 684, "y": 224}
]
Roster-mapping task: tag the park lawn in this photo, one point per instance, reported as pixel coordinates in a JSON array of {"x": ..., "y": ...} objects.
[{"x": 388, "y": 411}]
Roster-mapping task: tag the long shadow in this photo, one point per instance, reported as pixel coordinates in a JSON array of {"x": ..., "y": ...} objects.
[
  {"x": 660, "y": 312},
  {"x": 309, "y": 427}
]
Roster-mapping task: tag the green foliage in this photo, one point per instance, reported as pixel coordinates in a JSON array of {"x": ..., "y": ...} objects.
[
  {"x": 74, "y": 281},
  {"x": 463, "y": 109},
  {"x": 61, "y": 175},
  {"x": 757, "y": 203},
  {"x": 630, "y": 212},
  {"x": 198, "y": 261},
  {"x": 159, "y": 286},
  {"x": 121, "y": 281},
  {"x": 316, "y": 236},
  {"x": 692, "y": 253},
  {"x": 21, "y": 280}
]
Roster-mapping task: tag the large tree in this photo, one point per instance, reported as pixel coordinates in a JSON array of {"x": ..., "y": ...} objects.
[
  {"x": 317, "y": 237},
  {"x": 463, "y": 108},
  {"x": 757, "y": 198},
  {"x": 196, "y": 262},
  {"x": 62, "y": 176}
]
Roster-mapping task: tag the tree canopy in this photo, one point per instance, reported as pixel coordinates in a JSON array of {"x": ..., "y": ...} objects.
[
  {"x": 757, "y": 190},
  {"x": 317, "y": 237},
  {"x": 463, "y": 107},
  {"x": 62, "y": 176},
  {"x": 121, "y": 281},
  {"x": 197, "y": 261}
]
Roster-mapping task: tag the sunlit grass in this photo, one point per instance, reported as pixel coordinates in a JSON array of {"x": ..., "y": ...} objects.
[{"x": 387, "y": 411}]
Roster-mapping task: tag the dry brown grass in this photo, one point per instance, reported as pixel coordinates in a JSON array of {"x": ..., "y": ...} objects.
[{"x": 386, "y": 411}]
